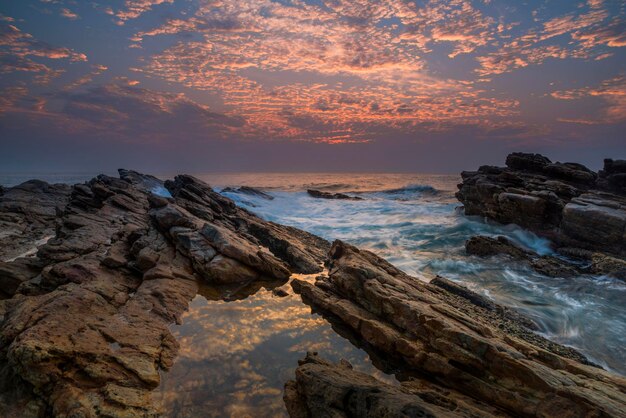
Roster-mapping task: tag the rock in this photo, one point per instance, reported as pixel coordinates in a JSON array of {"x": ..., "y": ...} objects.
[
  {"x": 13, "y": 274},
  {"x": 250, "y": 191},
  {"x": 281, "y": 292},
  {"x": 144, "y": 182},
  {"x": 321, "y": 387},
  {"x": 302, "y": 252},
  {"x": 613, "y": 177},
  {"x": 554, "y": 267},
  {"x": 85, "y": 323},
  {"x": 547, "y": 265},
  {"x": 595, "y": 223},
  {"x": 527, "y": 162},
  {"x": 609, "y": 266},
  {"x": 486, "y": 246},
  {"x": 325, "y": 195},
  {"x": 223, "y": 269},
  {"x": 565, "y": 202},
  {"x": 27, "y": 216},
  {"x": 482, "y": 360}
]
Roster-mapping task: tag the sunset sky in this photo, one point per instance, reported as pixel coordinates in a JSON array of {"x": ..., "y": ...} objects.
[{"x": 309, "y": 85}]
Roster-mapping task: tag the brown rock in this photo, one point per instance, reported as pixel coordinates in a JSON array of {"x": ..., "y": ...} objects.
[
  {"x": 475, "y": 355},
  {"x": 565, "y": 202}
]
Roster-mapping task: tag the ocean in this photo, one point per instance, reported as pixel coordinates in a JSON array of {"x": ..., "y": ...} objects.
[{"x": 240, "y": 344}]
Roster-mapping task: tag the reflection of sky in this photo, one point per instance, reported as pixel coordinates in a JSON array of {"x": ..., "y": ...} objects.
[
  {"x": 236, "y": 356},
  {"x": 406, "y": 85}
]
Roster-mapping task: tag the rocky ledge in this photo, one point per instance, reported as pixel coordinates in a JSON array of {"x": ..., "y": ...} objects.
[
  {"x": 565, "y": 202},
  {"x": 85, "y": 315},
  {"x": 549, "y": 265},
  {"x": 460, "y": 354}
]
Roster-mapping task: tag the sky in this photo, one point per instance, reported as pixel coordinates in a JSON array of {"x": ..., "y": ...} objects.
[{"x": 309, "y": 85}]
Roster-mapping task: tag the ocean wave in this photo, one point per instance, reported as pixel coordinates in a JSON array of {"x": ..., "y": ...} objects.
[
  {"x": 412, "y": 188},
  {"x": 329, "y": 186}
]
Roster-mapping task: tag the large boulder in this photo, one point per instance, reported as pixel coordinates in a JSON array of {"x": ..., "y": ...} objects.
[
  {"x": 613, "y": 176},
  {"x": 527, "y": 162},
  {"x": 565, "y": 202}
]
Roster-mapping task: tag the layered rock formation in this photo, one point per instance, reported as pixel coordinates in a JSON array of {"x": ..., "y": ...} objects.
[
  {"x": 468, "y": 356},
  {"x": 597, "y": 263},
  {"x": 566, "y": 202},
  {"x": 27, "y": 216},
  {"x": 84, "y": 327}
]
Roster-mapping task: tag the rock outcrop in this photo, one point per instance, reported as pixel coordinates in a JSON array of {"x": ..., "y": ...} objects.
[
  {"x": 548, "y": 265},
  {"x": 84, "y": 326},
  {"x": 468, "y": 356},
  {"x": 27, "y": 216},
  {"x": 250, "y": 191},
  {"x": 566, "y": 202},
  {"x": 326, "y": 195}
]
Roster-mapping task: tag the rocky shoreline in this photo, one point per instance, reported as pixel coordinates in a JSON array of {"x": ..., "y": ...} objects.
[
  {"x": 565, "y": 202},
  {"x": 93, "y": 275}
]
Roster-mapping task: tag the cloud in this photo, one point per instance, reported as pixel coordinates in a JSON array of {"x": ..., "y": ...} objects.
[
  {"x": 135, "y": 8},
  {"x": 68, "y": 14},
  {"x": 586, "y": 31},
  {"x": 383, "y": 79},
  {"x": 613, "y": 94}
]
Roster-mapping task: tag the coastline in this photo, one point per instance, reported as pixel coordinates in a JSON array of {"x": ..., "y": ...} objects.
[{"x": 120, "y": 248}]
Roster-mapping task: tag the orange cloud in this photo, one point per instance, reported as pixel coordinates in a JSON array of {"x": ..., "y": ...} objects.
[{"x": 611, "y": 91}]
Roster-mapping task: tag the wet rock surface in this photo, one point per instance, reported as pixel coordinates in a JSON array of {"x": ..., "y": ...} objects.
[
  {"x": 250, "y": 191},
  {"x": 468, "y": 355},
  {"x": 566, "y": 202},
  {"x": 85, "y": 323},
  {"x": 548, "y": 265},
  {"x": 326, "y": 195},
  {"x": 321, "y": 387}
]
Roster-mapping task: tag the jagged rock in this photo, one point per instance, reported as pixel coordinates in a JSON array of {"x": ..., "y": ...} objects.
[
  {"x": 303, "y": 252},
  {"x": 85, "y": 326},
  {"x": 548, "y": 265},
  {"x": 614, "y": 175},
  {"x": 325, "y": 195},
  {"x": 528, "y": 162},
  {"x": 475, "y": 355},
  {"x": 565, "y": 202},
  {"x": 486, "y": 246},
  {"x": 573, "y": 172},
  {"x": 13, "y": 274},
  {"x": 325, "y": 389},
  {"x": 250, "y": 191},
  {"x": 27, "y": 216},
  {"x": 144, "y": 182}
]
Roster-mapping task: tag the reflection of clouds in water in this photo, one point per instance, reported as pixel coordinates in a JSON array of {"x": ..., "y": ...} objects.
[{"x": 235, "y": 357}]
